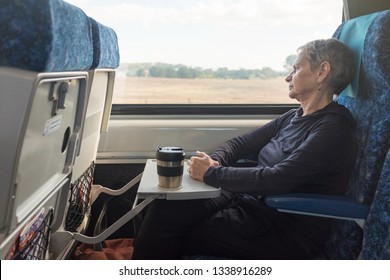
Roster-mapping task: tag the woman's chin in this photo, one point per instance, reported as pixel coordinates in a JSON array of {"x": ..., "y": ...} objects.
[{"x": 292, "y": 94}]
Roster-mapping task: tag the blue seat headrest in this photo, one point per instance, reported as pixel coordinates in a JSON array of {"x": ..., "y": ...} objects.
[
  {"x": 105, "y": 46},
  {"x": 44, "y": 36},
  {"x": 353, "y": 32}
]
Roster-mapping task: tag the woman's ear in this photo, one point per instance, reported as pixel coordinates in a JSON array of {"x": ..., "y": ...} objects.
[{"x": 324, "y": 71}]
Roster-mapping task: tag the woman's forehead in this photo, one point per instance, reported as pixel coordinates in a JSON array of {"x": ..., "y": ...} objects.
[{"x": 301, "y": 59}]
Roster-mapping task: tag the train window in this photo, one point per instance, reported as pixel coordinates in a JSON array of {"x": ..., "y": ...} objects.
[{"x": 229, "y": 52}]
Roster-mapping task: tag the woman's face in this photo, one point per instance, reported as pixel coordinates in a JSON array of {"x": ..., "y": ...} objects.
[{"x": 302, "y": 81}]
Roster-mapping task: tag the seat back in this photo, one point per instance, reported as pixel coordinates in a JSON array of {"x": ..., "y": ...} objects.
[
  {"x": 45, "y": 52},
  {"x": 100, "y": 90},
  {"x": 376, "y": 240},
  {"x": 371, "y": 108}
]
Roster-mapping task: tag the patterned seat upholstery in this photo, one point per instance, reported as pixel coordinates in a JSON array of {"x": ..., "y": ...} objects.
[
  {"x": 105, "y": 46},
  {"x": 371, "y": 109},
  {"x": 44, "y": 36},
  {"x": 376, "y": 240}
]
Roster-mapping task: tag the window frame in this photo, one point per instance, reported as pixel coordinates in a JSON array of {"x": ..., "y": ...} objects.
[{"x": 201, "y": 109}]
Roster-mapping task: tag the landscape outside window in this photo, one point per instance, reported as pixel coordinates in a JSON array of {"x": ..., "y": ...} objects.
[{"x": 210, "y": 51}]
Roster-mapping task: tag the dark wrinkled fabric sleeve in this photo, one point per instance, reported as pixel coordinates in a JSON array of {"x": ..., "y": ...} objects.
[
  {"x": 323, "y": 150},
  {"x": 248, "y": 144}
]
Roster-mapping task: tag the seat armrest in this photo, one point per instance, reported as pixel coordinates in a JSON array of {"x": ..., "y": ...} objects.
[{"x": 341, "y": 207}]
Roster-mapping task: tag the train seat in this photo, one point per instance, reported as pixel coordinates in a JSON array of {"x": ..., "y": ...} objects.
[
  {"x": 100, "y": 90},
  {"x": 46, "y": 50},
  {"x": 369, "y": 184},
  {"x": 371, "y": 109},
  {"x": 376, "y": 239}
]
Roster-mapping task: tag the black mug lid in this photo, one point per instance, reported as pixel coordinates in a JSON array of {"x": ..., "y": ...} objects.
[{"x": 170, "y": 153}]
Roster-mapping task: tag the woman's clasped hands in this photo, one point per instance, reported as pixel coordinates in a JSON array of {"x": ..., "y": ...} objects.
[{"x": 199, "y": 164}]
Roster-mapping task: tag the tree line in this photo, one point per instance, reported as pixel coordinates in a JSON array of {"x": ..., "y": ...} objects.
[{"x": 165, "y": 70}]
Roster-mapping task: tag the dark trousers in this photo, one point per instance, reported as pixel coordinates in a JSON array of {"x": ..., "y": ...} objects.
[{"x": 219, "y": 227}]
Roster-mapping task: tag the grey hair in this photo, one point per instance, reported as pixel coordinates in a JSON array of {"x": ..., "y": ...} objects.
[{"x": 338, "y": 55}]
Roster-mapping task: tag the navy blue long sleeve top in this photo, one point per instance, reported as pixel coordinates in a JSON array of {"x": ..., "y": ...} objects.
[{"x": 313, "y": 153}]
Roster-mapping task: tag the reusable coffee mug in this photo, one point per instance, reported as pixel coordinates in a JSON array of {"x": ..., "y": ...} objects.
[{"x": 170, "y": 164}]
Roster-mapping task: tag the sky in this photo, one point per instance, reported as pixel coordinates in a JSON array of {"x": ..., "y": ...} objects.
[{"x": 249, "y": 34}]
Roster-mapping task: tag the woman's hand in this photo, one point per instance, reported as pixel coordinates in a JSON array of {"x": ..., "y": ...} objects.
[{"x": 199, "y": 164}]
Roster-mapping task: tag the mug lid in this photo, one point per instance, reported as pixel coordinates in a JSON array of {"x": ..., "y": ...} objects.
[{"x": 170, "y": 153}]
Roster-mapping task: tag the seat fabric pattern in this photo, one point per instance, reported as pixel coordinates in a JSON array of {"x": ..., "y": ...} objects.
[
  {"x": 105, "y": 46},
  {"x": 44, "y": 36},
  {"x": 371, "y": 109},
  {"x": 376, "y": 241}
]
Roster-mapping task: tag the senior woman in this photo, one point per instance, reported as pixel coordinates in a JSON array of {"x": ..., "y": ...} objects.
[{"x": 309, "y": 149}]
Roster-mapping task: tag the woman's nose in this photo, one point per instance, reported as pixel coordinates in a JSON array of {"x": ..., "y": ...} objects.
[{"x": 288, "y": 78}]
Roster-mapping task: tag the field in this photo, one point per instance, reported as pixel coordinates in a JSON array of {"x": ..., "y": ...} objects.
[{"x": 134, "y": 90}]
